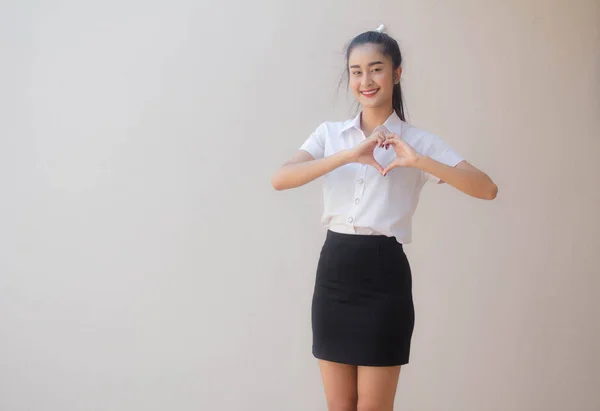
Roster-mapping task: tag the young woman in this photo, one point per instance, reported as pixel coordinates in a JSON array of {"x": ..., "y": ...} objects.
[{"x": 374, "y": 167}]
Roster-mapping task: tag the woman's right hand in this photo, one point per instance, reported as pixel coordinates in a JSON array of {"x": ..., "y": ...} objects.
[
  {"x": 363, "y": 152},
  {"x": 304, "y": 168}
]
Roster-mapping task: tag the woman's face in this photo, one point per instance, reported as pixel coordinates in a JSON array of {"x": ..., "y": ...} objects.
[{"x": 372, "y": 76}]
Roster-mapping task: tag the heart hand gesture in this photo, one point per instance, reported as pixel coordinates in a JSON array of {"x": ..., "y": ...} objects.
[
  {"x": 406, "y": 156},
  {"x": 363, "y": 152}
]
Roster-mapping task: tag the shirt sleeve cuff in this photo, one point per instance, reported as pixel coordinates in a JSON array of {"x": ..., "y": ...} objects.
[
  {"x": 312, "y": 148},
  {"x": 450, "y": 158}
]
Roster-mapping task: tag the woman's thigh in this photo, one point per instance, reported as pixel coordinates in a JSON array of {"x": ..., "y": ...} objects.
[
  {"x": 377, "y": 388},
  {"x": 340, "y": 384}
]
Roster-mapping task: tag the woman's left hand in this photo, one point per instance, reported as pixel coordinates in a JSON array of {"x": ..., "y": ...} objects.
[{"x": 406, "y": 156}]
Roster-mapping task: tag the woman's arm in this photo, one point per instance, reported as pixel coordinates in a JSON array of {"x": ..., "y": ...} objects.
[
  {"x": 463, "y": 177},
  {"x": 302, "y": 168}
]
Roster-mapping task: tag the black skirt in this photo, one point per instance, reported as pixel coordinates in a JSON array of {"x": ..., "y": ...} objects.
[{"x": 362, "y": 308}]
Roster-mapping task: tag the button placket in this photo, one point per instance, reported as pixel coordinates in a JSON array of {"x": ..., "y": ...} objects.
[{"x": 359, "y": 188}]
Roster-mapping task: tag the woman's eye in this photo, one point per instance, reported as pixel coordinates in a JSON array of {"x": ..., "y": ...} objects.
[{"x": 356, "y": 73}]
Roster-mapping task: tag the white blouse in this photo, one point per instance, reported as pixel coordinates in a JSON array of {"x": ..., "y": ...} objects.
[{"x": 357, "y": 198}]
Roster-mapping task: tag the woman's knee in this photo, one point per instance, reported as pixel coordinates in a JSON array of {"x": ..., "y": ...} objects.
[
  {"x": 342, "y": 404},
  {"x": 370, "y": 406}
]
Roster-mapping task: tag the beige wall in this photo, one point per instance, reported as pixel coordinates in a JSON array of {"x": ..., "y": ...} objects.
[{"x": 146, "y": 263}]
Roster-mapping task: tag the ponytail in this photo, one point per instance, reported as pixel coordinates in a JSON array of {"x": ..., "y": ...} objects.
[{"x": 397, "y": 101}]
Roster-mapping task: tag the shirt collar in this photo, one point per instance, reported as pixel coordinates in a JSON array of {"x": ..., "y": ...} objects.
[
  {"x": 393, "y": 123},
  {"x": 354, "y": 123}
]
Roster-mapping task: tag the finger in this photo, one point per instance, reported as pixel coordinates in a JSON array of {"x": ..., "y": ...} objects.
[
  {"x": 391, "y": 137},
  {"x": 380, "y": 138},
  {"x": 389, "y": 143},
  {"x": 378, "y": 142},
  {"x": 370, "y": 143}
]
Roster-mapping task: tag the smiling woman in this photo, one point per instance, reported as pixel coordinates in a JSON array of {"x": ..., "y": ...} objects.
[
  {"x": 377, "y": 59},
  {"x": 374, "y": 168}
]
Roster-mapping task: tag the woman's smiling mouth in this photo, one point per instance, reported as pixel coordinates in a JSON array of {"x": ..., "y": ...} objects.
[{"x": 369, "y": 93}]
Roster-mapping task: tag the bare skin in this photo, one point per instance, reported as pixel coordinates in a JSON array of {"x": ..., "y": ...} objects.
[{"x": 352, "y": 388}]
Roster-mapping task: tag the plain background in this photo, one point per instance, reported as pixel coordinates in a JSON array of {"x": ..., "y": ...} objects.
[{"x": 147, "y": 264}]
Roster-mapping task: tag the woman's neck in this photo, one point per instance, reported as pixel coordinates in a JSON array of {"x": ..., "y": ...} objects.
[{"x": 371, "y": 118}]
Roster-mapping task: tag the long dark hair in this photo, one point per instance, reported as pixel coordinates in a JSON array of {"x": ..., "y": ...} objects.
[{"x": 389, "y": 47}]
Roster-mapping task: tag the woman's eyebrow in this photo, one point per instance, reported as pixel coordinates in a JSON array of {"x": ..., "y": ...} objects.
[{"x": 370, "y": 64}]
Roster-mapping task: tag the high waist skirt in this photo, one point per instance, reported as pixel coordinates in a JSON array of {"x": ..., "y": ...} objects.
[{"x": 362, "y": 307}]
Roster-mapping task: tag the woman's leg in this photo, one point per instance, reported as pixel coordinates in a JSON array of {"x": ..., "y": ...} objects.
[
  {"x": 340, "y": 383},
  {"x": 377, "y": 388}
]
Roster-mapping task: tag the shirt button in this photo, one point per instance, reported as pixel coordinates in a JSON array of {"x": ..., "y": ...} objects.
[
  {"x": 350, "y": 219},
  {"x": 357, "y": 201},
  {"x": 360, "y": 181}
]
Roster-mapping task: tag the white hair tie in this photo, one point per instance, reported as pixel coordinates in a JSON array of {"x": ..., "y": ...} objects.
[{"x": 380, "y": 29}]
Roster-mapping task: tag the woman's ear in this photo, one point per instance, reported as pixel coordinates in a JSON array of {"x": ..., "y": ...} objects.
[{"x": 397, "y": 74}]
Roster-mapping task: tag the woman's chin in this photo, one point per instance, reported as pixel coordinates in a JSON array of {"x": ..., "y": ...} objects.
[{"x": 371, "y": 103}]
